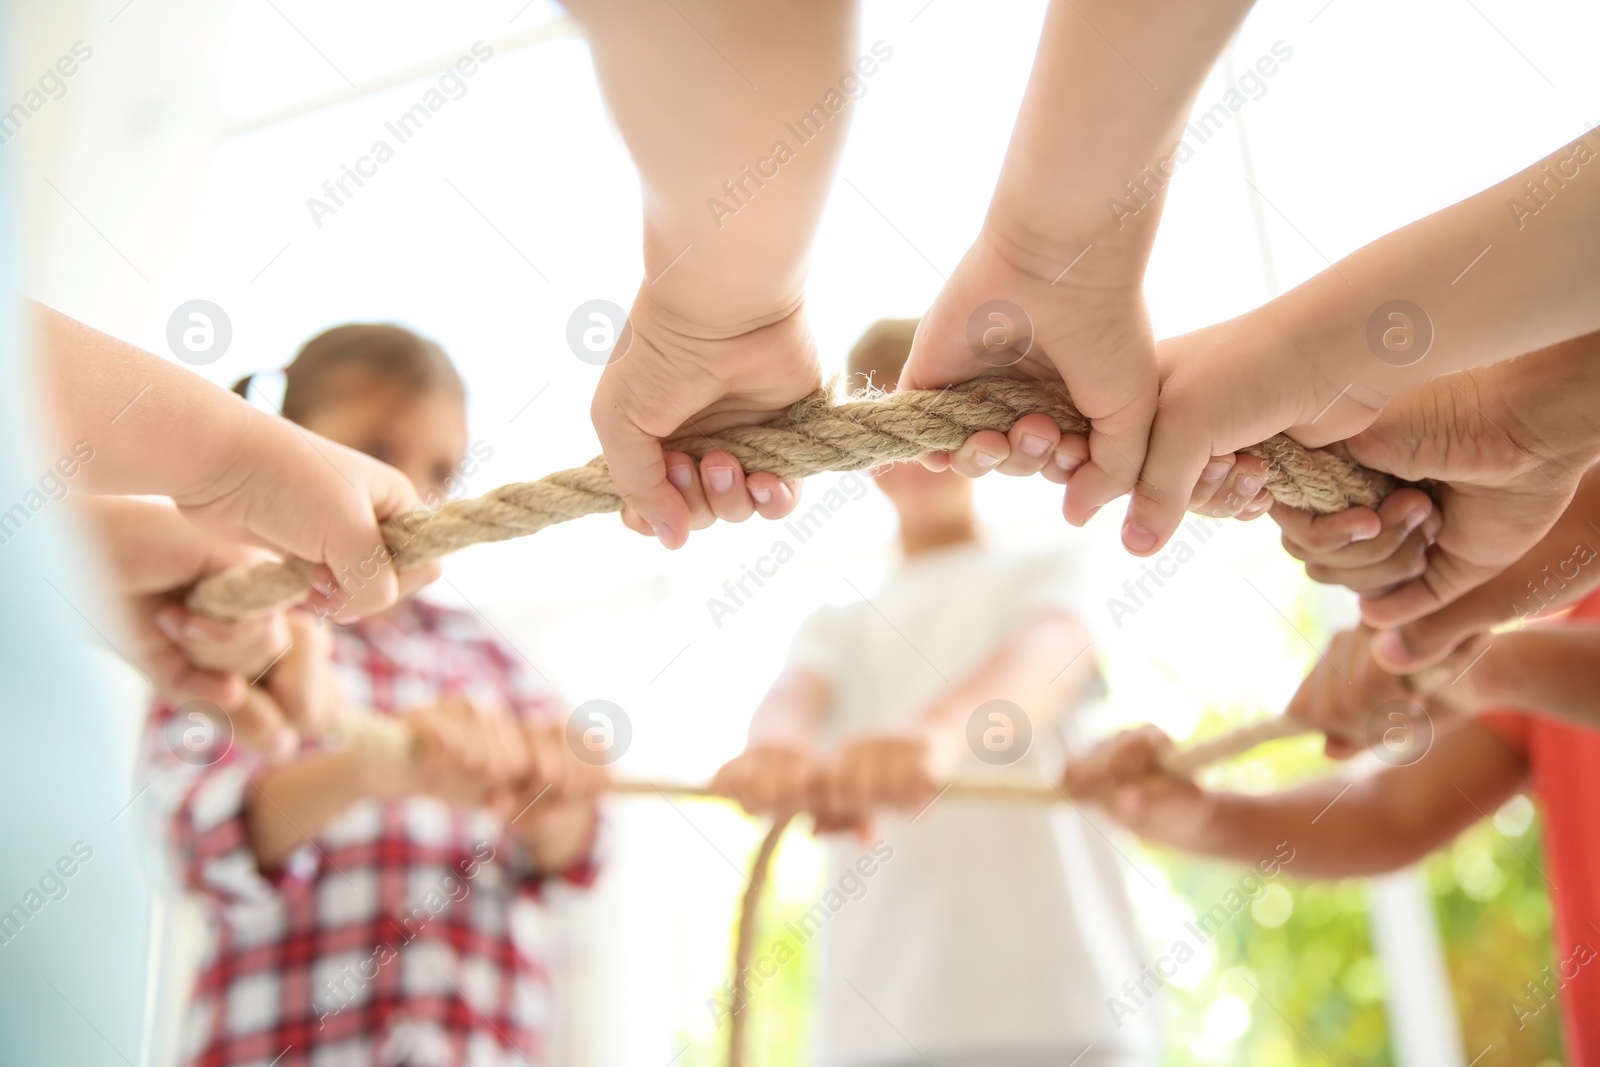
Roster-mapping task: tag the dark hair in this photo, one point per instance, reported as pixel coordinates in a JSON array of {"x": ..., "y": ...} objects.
[{"x": 347, "y": 359}]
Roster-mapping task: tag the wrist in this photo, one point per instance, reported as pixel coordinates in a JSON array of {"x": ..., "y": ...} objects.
[
  {"x": 1547, "y": 400},
  {"x": 371, "y": 775},
  {"x": 1081, "y": 254},
  {"x": 698, "y": 309},
  {"x": 235, "y": 434}
]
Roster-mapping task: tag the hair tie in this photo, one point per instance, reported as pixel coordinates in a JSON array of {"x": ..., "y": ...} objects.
[{"x": 264, "y": 390}]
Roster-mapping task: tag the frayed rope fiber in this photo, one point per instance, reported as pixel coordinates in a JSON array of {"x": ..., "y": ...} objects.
[{"x": 815, "y": 435}]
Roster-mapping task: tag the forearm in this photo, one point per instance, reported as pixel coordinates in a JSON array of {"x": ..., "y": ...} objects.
[
  {"x": 793, "y": 710},
  {"x": 704, "y": 106},
  {"x": 1548, "y": 670},
  {"x": 1368, "y": 822},
  {"x": 154, "y": 427},
  {"x": 1496, "y": 275},
  {"x": 290, "y": 806},
  {"x": 1042, "y": 667},
  {"x": 1067, "y": 163},
  {"x": 1333, "y": 835}
]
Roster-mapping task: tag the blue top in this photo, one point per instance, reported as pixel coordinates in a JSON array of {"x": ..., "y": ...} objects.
[{"x": 72, "y": 899}]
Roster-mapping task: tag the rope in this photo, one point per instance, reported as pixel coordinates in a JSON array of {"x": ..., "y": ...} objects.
[
  {"x": 813, "y": 436},
  {"x": 390, "y": 738}
]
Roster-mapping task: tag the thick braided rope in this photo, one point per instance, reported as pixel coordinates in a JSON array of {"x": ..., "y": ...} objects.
[{"x": 813, "y": 436}]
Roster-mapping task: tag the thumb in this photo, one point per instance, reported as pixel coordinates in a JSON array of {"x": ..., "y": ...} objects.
[{"x": 635, "y": 460}]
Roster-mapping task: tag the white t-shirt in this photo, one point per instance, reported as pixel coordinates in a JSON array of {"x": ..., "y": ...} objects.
[{"x": 993, "y": 931}]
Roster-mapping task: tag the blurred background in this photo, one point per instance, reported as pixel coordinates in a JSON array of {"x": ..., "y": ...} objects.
[{"x": 178, "y": 163}]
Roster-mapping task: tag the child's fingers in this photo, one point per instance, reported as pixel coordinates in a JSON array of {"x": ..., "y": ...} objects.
[
  {"x": 1256, "y": 508},
  {"x": 243, "y": 646},
  {"x": 774, "y": 497},
  {"x": 1433, "y": 637},
  {"x": 1118, "y": 446},
  {"x": 639, "y": 467},
  {"x": 1031, "y": 442},
  {"x": 1071, "y": 452},
  {"x": 1231, "y": 487},
  {"x": 508, "y": 750},
  {"x": 1211, "y": 478},
  {"x": 258, "y": 724},
  {"x": 723, "y": 481},
  {"x": 1309, "y": 537},
  {"x": 1407, "y": 562},
  {"x": 981, "y": 453},
  {"x": 173, "y": 675},
  {"x": 936, "y": 461},
  {"x": 684, "y": 476},
  {"x": 413, "y": 578},
  {"x": 1357, "y": 537},
  {"x": 302, "y": 681},
  {"x": 1133, "y": 755},
  {"x": 547, "y": 756},
  {"x": 1172, "y": 466}
]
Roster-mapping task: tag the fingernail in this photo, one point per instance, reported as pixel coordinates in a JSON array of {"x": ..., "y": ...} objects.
[
  {"x": 762, "y": 495},
  {"x": 1067, "y": 463},
  {"x": 1415, "y": 517},
  {"x": 168, "y": 625},
  {"x": 720, "y": 478},
  {"x": 1034, "y": 445},
  {"x": 1249, "y": 486},
  {"x": 681, "y": 476},
  {"x": 1137, "y": 538},
  {"x": 193, "y": 630},
  {"x": 662, "y": 531},
  {"x": 1093, "y": 512},
  {"x": 1365, "y": 534},
  {"x": 1216, "y": 469},
  {"x": 1391, "y": 647},
  {"x": 984, "y": 459}
]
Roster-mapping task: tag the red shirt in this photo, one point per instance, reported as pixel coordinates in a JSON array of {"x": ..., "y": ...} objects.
[
  {"x": 1564, "y": 765},
  {"x": 388, "y": 940}
]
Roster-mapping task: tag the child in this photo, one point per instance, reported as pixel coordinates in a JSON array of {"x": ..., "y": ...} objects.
[
  {"x": 1547, "y": 739},
  {"x": 362, "y": 909},
  {"x": 987, "y": 933}
]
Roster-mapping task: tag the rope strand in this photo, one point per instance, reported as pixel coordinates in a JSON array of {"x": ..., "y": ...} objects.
[{"x": 813, "y": 436}]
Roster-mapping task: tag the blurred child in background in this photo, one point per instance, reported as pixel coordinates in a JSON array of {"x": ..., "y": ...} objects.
[
  {"x": 989, "y": 934},
  {"x": 361, "y": 904}
]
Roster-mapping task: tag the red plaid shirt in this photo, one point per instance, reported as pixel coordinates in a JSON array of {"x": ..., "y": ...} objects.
[{"x": 389, "y": 939}]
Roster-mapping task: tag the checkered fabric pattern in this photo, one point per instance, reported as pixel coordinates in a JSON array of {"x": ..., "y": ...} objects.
[{"x": 388, "y": 938}]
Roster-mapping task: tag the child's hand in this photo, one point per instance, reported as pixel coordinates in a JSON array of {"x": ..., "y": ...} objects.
[
  {"x": 302, "y": 495},
  {"x": 769, "y": 778},
  {"x": 554, "y": 811},
  {"x": 1221, "y": 392},
  {"x": 286, "y": 658},
  {"x": 679, "y": 378},
  {"x": 1232, "y": 487},
  {"x": 1369, "y": 552},
  {"x": 1122, "y": 775},
  {"x": 902, "y": 769},
  {"x": 1349, "y": 697},
  {"x": 554, "y": 769},
  {"x": 461, "y": 753},
  {"x": 1097, "y": 341}
]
